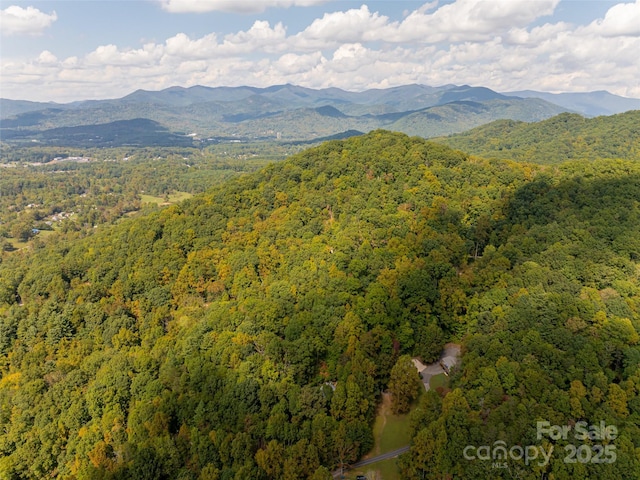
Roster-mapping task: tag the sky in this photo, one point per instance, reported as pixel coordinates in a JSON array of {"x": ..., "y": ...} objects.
[{"x": 72, "y": 50}]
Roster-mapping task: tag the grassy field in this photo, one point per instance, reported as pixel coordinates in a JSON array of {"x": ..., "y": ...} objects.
[
  {"x": 438, "y": 381},
  {"x": 394, "y": 433},
  {"x": 390, "y": 432},
  {"x": 17, "y": 244},
  {"x": 384, "y": 470},
  {"x": 174, "y": 197}
]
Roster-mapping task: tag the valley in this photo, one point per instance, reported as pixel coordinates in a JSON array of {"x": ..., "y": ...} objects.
[
  {"x": 248, "y": 328},
  {"x": 320, "y": 240},
  {"x": 200, "y": 116}
]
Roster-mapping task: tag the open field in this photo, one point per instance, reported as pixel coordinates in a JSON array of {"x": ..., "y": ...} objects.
[
  {"x": 440, "y": 380},
  {"x": 174, "y": 197},
  {"x": 384, "y": 470},
  {"x": 390, "y": 432},
  {"x": 17, "y": 244}
]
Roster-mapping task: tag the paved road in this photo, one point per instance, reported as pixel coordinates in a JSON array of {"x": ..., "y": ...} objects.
[
  {"x": 430, "y": 371},
  {"x": 433, "y": 369},
  {"x": 426, "y": 371},
  {"x": 378, "y": 458}
]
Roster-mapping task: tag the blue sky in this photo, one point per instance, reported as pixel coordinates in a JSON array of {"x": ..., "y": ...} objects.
[{"x": 83, "y": 49}]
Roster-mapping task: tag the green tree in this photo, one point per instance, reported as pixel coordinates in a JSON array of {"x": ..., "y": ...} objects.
[{"x": 404, "y": 384}]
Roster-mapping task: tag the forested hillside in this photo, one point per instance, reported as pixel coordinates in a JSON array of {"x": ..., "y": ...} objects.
[
  {"x": 246, "y": 333},
  {"x": 563, "y": 137}
]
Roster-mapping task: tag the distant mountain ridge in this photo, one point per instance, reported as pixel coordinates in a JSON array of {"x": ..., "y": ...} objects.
[
  {"x": 291, "y": 112},
  {"x": 139, "y": 132},
  {"x": 590, "y": 104}
]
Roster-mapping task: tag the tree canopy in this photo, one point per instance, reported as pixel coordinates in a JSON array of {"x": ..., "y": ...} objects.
[
  {"x": 247, "y": 332},
  {"x": 567, "y": 136}
]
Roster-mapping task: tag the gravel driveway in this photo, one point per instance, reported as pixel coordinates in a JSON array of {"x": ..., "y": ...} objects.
[{"x": 451, "y": 351}]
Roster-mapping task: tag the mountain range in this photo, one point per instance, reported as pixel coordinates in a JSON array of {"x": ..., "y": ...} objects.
[
  {"x": 590, "y": 104},
  {"x": 287, "y": 112}
]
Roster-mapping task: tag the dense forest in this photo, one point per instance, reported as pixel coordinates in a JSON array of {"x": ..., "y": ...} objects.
[
  {"x": 247, "y": 332},
  {"x": 563, "y": 137}
]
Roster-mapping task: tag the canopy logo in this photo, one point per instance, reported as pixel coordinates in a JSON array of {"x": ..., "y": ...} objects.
[
  {"x": 590, "y": 452},
  {"x": 499, "y": 453}
]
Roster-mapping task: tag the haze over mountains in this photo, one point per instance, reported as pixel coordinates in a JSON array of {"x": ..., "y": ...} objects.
[
  {"x": 184, "y": 116},
  {"x": 589, "y": 104}
]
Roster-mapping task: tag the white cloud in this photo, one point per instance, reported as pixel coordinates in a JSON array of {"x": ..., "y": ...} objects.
[
  {"x": 355, "y": 49},
  {"x": 16, "y": 20},
  {"x": 622, "y": 19},
  {"x": 259, "y": 37},
  {"x": 111, "y": 55},
  {"x": 350, "y": 26},
  {"x": 70, "y": 62},
  {"x": 470, "y": 20},
  {"x": 181, "y": 46},
  {"x": 291, "y": 63},
  {"x": 536, "y": 37},
  {"x": 47, "y": 58},
  {"x": 233, "y": 6},
  {"x": 464, "y": 20}
]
